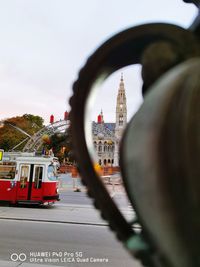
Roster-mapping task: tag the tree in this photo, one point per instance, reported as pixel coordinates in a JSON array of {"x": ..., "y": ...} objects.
[
  {"x": 60, "y": 143},
  {"x": 36, "y": 121},
  {"x": 10, "y": 136}
]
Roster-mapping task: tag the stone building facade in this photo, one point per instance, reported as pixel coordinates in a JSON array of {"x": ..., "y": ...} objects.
[{"x": 106, "y": 136}]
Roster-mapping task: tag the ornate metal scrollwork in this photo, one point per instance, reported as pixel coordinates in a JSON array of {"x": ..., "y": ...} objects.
[{"x": 156, "y": 170}]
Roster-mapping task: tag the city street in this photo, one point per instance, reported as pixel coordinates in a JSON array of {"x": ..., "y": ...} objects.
[
  {"x": 91, "y": 241},
  {"x": 69, "y": 233}
]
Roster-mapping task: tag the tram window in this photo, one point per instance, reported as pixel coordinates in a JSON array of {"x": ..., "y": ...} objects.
[
  {"x": 38, "y": 177},
  {"x": 7, "y": 170},
  {"x": 24, "y": 176},
  {"x": 52, "y": 174}
]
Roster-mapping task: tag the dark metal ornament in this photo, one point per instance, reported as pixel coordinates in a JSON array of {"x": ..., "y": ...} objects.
[
  {"x": 160, "y": 163},
  {"x": 132, "y": 46},
  {"x": 196, "y": 2}
]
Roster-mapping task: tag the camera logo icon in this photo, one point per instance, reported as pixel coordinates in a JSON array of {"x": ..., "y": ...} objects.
[{"x": 18, "y": 257}]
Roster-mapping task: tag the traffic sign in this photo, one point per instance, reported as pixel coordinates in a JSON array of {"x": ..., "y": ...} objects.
[{"x": 1, "y": 154}]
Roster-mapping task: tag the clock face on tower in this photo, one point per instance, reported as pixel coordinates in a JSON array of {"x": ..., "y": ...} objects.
[{"x": 121, "y": 106}]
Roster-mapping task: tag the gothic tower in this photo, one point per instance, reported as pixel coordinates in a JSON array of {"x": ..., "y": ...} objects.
[
  {"x": 121, "y": 118},
  {"x": 121, "y": 110}
]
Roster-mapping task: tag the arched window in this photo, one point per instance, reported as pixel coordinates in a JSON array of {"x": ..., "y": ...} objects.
[
  {"x": 121, "y": 120},
  {"x": 105, "y": 146},
  {"x": 95, "y": 145},
  {"x": 100, "y": 147},
  {"x": 105, "y": 162}
]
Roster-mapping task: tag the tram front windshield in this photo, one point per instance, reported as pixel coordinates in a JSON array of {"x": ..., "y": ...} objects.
[{"x": 52, "y": 173}]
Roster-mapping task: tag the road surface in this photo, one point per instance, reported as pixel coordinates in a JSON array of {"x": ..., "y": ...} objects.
[
  {"x": 70, "y": 233},
  {"x": 56, "y": 240}
]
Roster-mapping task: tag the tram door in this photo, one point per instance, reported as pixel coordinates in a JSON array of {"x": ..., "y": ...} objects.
[
  {"x": 25, "y": 173},
  {"x": 30, "y": 182},
  {"x": 37, "y": 185}
]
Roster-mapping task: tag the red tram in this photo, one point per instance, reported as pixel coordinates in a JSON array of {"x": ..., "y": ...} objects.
[{"x": 26, "y": 178}]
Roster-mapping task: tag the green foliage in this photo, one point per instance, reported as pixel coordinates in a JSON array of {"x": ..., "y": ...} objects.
[
  {"x": 70, "y": 154},
  {"x": 36, "y": 121},
  {"x": 10, "y": 137},
  {"x": 57, "y": 142},
  {"x": 60, "y": 141}
]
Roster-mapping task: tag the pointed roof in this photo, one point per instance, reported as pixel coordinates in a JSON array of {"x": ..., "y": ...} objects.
[{"x": 121, "y": 85}]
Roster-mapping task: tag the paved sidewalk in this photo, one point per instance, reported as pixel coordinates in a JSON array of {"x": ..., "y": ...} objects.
[
  {"x": 59, "y": 213},
  {"x": 67, "y": 183}
]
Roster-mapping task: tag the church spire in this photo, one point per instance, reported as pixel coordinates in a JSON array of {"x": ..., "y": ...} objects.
[
  {"x": 121, "y": 109},
  {"x": 121, "y": 118},
  {"x": 121, "y": 85}
]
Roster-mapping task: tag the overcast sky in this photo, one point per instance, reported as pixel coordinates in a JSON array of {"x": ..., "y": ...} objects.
[{"x": 44, "y": 43}]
